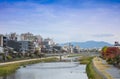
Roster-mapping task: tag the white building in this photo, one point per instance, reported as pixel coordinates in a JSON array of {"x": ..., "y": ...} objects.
[
  {"x": 49, "y": 42},
  {"x": 1, "y": 50}
]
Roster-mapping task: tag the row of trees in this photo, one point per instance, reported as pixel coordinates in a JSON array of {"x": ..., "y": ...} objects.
[
  {"x": 112, "y": 55},
  {"x": 10, "y": 55}
]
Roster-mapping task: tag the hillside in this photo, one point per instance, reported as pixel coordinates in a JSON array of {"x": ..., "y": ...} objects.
[{"x": 89, "y": 44}]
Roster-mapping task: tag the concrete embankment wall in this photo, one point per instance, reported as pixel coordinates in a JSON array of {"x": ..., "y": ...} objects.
[{"x": 98, "y": 71}]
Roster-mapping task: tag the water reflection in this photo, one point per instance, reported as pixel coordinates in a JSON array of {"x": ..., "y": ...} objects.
[{"x": 55, "y": 70}]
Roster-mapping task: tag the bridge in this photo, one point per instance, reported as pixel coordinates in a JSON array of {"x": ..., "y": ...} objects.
[{"x": 57, "y": 54}]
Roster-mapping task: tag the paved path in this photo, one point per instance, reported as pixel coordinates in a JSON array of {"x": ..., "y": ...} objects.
[
  {"x": 12, "y": 62},
  {"x": 109, "y": 71},
  {"x": 100, "y": 68},
  {"x": 113, "y": 71}
]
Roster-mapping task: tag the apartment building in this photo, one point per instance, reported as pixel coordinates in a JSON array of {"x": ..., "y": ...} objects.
[
  {"x": 3, "y": 41},
  {"x": 27, "y": 46}
]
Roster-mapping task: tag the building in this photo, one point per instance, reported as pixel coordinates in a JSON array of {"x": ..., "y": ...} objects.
[
  {"x": 68, "y": 48},
  {"x": 27, "y": 46},
  {"x": 57, "y": 49},
  {"x": 13, "y": 36},
  {"x": 116, "y": 43},
  {"x": 48, "y": 42},
  {"x": 47, "y": 45},
  {"x": 76, "y": 49},
  {"x": 27, "y": 37},
  {"x": 71, "y": 48},
  {"x": 65, "y": 48},
  {"x": 14, "y": 44},
  {"x": 3, "y": 41},
  {"x": 1, "y": 50},
  {"x": 38, "y": 41}
]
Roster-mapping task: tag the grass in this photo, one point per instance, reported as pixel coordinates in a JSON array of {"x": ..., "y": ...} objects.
[
  {"x": 91, "y": 73},
  {"x": 10, "y": 68},
  {"x": 7, "y": 69},
  {"x": 85, "y": 60}
]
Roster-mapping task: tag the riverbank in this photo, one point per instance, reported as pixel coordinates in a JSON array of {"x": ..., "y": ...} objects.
[
  {"x": 92, "y": 74},
  {"x": 101, "y": 68},
  {"x": 10, "y": 67}
]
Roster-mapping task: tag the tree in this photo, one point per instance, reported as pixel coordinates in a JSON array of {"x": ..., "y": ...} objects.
[
  {"x": 112, "y": 52},
  {"x": 36, "y": 52},
  {"x": 104, "y": 51}
]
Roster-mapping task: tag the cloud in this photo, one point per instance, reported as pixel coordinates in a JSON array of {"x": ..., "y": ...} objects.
[
  {"x": 103, "y": 35},
  {"x": 63, "y": 23}
]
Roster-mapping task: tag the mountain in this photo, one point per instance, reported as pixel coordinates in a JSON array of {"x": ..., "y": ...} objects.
[{"x": 89, "y": 44}]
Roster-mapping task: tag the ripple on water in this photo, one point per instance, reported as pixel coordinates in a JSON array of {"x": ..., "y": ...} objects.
[{"x": 56, "y": 70}]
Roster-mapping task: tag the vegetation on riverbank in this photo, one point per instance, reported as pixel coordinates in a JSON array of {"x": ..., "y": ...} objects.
[
  {"x": 85, "y": 60},
  {"x": 111, "y": 55},
  {"x": 92, "y": 74},
  {"x": 7, "y": 69},
  {"x": 10, "y": 68}
]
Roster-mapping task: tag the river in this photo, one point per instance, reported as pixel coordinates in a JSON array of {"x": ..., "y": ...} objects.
[{"x": 53, "y": 70}]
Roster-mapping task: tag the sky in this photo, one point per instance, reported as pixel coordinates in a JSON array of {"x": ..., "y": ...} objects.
[{"x": 63, "y": 20}]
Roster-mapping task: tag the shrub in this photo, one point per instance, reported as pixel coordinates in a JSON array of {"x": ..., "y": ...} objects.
[{"x": 9, "y": 57}]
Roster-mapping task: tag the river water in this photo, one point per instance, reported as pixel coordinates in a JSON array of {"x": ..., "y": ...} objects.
[{"x": 54, "y": 70}]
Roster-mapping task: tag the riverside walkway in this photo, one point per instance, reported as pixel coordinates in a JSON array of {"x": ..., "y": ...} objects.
[
  {"x": 59, "y": 56},
  {"x": 19, "y": 61},
  {"x": 106, "y": 70}
]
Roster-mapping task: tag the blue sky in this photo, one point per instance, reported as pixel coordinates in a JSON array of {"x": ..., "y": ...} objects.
[{"x": 63, "y": 20}]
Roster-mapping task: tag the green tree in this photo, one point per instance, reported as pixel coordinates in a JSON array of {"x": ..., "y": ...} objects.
[{"x": 104, "y": 51}]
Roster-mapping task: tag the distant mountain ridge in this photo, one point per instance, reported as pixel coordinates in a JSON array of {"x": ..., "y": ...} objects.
[{"x": 89, "y": 44}]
